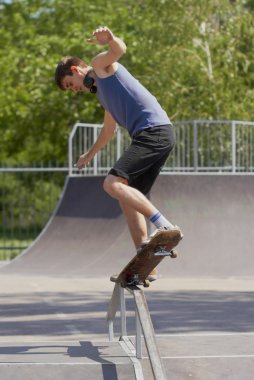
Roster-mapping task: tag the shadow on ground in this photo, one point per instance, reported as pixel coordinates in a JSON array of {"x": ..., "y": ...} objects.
[{"x": 51, "y": 313}]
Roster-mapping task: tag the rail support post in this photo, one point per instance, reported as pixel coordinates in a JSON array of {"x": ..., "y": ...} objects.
[{"x": 143, "y": 323}]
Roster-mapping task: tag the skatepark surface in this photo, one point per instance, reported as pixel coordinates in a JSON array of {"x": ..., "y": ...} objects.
[{"x": 54, "y": 296}]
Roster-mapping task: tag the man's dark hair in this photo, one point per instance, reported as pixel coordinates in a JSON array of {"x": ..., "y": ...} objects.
[{"x": 64, "y": 68}]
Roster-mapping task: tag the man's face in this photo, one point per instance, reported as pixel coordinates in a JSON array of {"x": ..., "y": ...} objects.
[{"x": 74, "y": 82}]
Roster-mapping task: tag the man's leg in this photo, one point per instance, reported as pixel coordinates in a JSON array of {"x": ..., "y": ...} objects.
[
  {"x": 136, "y": 223},
  {"x": 118, "y": 188},
  {"x": 138, "y": 230}
]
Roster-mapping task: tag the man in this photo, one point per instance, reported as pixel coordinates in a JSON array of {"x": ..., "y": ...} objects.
[{"x": 129, "y": 104}]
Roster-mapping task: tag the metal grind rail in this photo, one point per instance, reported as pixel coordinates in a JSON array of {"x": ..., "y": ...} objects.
[{"x": 143, "y": 323}]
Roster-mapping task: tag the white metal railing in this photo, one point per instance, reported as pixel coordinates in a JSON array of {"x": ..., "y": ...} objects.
[
  {"x": 83, "y": 135},
  {"x": 210, "y": 146}
]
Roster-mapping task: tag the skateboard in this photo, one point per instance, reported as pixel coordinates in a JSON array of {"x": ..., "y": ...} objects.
[{"x": 139, "y": 268}]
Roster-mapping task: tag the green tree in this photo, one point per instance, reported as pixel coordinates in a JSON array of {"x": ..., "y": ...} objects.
[{"x": 195, "y": 56}]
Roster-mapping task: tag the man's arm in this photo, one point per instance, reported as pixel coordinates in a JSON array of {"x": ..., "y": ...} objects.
[
  {"x": 107, "y": 132},
  {"x": 104, "y": 36}
]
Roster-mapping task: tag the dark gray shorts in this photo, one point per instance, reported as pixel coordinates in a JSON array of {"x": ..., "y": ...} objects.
[{"x": 141, "y": 163}]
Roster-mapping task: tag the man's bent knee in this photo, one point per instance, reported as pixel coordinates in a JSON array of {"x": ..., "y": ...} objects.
[{"x": 111, "y": 183}]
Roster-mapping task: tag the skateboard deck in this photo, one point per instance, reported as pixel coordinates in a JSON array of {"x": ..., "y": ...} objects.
[{"x": 138, "y": 269}]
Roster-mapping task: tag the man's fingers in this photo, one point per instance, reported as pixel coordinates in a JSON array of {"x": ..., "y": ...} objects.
[
  {"x": 100, "y": 29},
  {"x": 92, "y": 41},
  {"x": 100, "y": 35},
  {"x": 81, "y": 163}
]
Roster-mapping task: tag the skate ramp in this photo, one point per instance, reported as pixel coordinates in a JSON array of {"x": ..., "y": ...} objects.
[
  {"x": 216, "y": 214},
  {"x": 87, "y": 236}
]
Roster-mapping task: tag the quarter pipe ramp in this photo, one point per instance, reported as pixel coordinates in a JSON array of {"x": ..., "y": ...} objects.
[{"x": 87, "y": 235}]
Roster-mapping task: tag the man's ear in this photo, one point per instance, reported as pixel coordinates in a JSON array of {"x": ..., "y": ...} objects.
[
  {"x": 74, "y": 68},
  {"x": 78, "y": 69}
]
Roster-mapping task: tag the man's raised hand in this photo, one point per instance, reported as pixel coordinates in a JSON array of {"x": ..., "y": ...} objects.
[{"x": 102, "y": 36}]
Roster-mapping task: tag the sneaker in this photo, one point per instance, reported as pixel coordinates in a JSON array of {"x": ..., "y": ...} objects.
[
  {"x": 176, "y": 228},
  {"x": 145, "y": 242},
  {"x": 153, "y": 276}
]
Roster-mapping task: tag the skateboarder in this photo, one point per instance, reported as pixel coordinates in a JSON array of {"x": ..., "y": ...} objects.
[{"x": 130, "y": 105}]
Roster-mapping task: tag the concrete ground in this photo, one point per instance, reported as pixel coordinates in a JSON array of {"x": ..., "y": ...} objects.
[
  {"x": 204, "y": 328},
  {"x": 54, "y": 297}
]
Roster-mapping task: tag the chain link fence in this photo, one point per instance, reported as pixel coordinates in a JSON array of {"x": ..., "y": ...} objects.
[{"x": 27, "y": 200}]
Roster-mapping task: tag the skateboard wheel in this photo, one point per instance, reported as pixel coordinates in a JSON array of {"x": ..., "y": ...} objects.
[
  {"x": 146, "y": 284},
  {"x": 173, "y": 254}
]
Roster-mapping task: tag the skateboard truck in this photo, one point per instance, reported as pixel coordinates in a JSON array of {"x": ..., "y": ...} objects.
[
  {"x": 161, "y": 251},
  {"x": 134, "y": 280}
]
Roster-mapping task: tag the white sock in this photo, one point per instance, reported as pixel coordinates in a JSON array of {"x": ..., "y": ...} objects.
[{"x": 160, "y": 221}]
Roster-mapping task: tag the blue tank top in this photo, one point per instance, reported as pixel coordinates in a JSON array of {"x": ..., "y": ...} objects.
[{"x": 129, "y": 102}]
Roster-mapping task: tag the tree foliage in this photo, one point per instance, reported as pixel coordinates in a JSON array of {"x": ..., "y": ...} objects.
[{"x": 195, "y": 56}]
